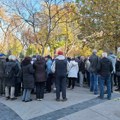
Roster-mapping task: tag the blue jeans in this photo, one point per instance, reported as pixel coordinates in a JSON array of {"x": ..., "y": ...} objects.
[
  {"x": 26, "y": 94},
  {"x": 102, "y": 80},
  {"x": 94, "y": 83}
]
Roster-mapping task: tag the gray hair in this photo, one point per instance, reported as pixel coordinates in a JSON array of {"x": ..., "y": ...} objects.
[
  {"x": 12, "y": 57},
  {"x": 104, "y": 54},
  {"x": 94, "y": 51}
]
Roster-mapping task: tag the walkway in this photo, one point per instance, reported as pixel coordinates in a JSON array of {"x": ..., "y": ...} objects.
[{"x": 81, "y": 105}]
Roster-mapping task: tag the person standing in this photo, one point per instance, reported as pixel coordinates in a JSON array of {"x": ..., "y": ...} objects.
[
  {"x": 87, "y": 68},
  {"x": 113, "y": 59},
  {"x": 60, "y": 67},
  {"x": 40, "y": 77},
  {"x": 94, "y": 61},
  {"x": 2, "y": 79},
  {"x": 73, "y": 73},
  {"x": 49, "y": 74},
  {"x": 18, "y": 80},
  {"x": 27, "y": 79},
  {"x": 105, "y": 70},
  {"x": 11, "y": 70},
  {"x": 81, "y": 70},
  {"x": 117, "y": 67}
]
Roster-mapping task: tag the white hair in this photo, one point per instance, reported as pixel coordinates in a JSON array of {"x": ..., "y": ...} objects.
[
  {"x": 104, "y": 54},
  {"x": 94, "y": 51},
  {"x": 12, "y": 57}
]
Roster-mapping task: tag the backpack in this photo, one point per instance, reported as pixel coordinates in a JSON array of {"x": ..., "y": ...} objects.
[{"x": 9, "y": 71}]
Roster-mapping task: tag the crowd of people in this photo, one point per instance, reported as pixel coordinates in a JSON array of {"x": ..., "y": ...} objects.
[{"x": 40, "y": 75}]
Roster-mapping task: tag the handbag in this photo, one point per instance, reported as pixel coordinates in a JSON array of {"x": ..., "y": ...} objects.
[{"x": 118, "y": 73}]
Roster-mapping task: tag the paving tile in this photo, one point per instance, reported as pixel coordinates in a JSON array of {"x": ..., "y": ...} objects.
[
  {"x": 85, "y": 115},
  {"x": 8, "y": 114}
]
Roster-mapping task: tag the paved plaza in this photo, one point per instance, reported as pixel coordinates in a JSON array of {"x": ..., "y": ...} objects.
[{"x": 81, "y": 105}]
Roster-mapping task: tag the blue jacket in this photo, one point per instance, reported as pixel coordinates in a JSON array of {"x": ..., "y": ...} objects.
[{"x": 49, "y": 64}]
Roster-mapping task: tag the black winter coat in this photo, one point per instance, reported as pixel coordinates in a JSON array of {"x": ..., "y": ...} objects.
[
  {"x": 40, "y": 70},
  {"x": 105, "y": 67},
  {"x": 2, "y": 67},
  {"x": 117, "y": 66},
  {"x": 28, "y": 76},
  {"x": 11, "y": 81},
  {"x": 82, "y": 67}
]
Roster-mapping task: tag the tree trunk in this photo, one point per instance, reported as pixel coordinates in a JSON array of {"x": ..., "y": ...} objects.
[{"x": 43, "y": 50}]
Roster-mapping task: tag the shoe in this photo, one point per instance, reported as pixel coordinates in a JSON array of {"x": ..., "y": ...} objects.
[
  {"x": 65, "y": 99},
  {"x": 13, "y": 98},
  {"x": 57, "y": 99},
  {"x": 109, "y": 98},
  {"x": 91, "y": 90},
  {"x": 117, "y": 89},
  {"x": 38, "y": 99},
  {"x": 28, "y": 100},
  {"x": 7, "y": 98},
  {"x": 100, "y": 97}
]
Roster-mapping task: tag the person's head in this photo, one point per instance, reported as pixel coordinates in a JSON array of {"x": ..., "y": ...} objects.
[
  {"x": 110, "y": 52},
  {"x": 48, "y": 57},
  {"x": 59, "y": 53},
  {"x": 3, "y": 57},
  {"x": 94, "y": 51},
  {"x": 104, "y": 54},
  {"x": 68, "y": 59},
  {"x": 12, "y": 58},
  {"x": 7, "y": 60},
  {"x": 38, "y": 57},
  {"x": 73, "y": 59},
  {"x": 82, "y": 58},
  {"x": 27, "y": 60}
]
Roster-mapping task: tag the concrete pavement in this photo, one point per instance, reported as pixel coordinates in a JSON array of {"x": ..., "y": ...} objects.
[{"x": 81, "y": 105}]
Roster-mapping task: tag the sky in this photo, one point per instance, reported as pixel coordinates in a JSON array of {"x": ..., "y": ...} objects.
[{"x": 33, "y": 2}]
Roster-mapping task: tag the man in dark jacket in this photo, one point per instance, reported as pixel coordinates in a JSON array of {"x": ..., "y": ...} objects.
[
  {"x": 60, "y": 67},
  {"x": 2, "y": 80},
  {"x": 105, "y": 70},
  {"x": 94, "y": 61}
]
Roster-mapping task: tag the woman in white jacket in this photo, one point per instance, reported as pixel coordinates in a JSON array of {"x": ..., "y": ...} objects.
[{"x": 73, "y": 73}]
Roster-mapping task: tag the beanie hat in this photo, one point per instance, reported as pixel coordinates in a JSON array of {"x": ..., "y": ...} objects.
[{"x": 60, "y": 53}]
